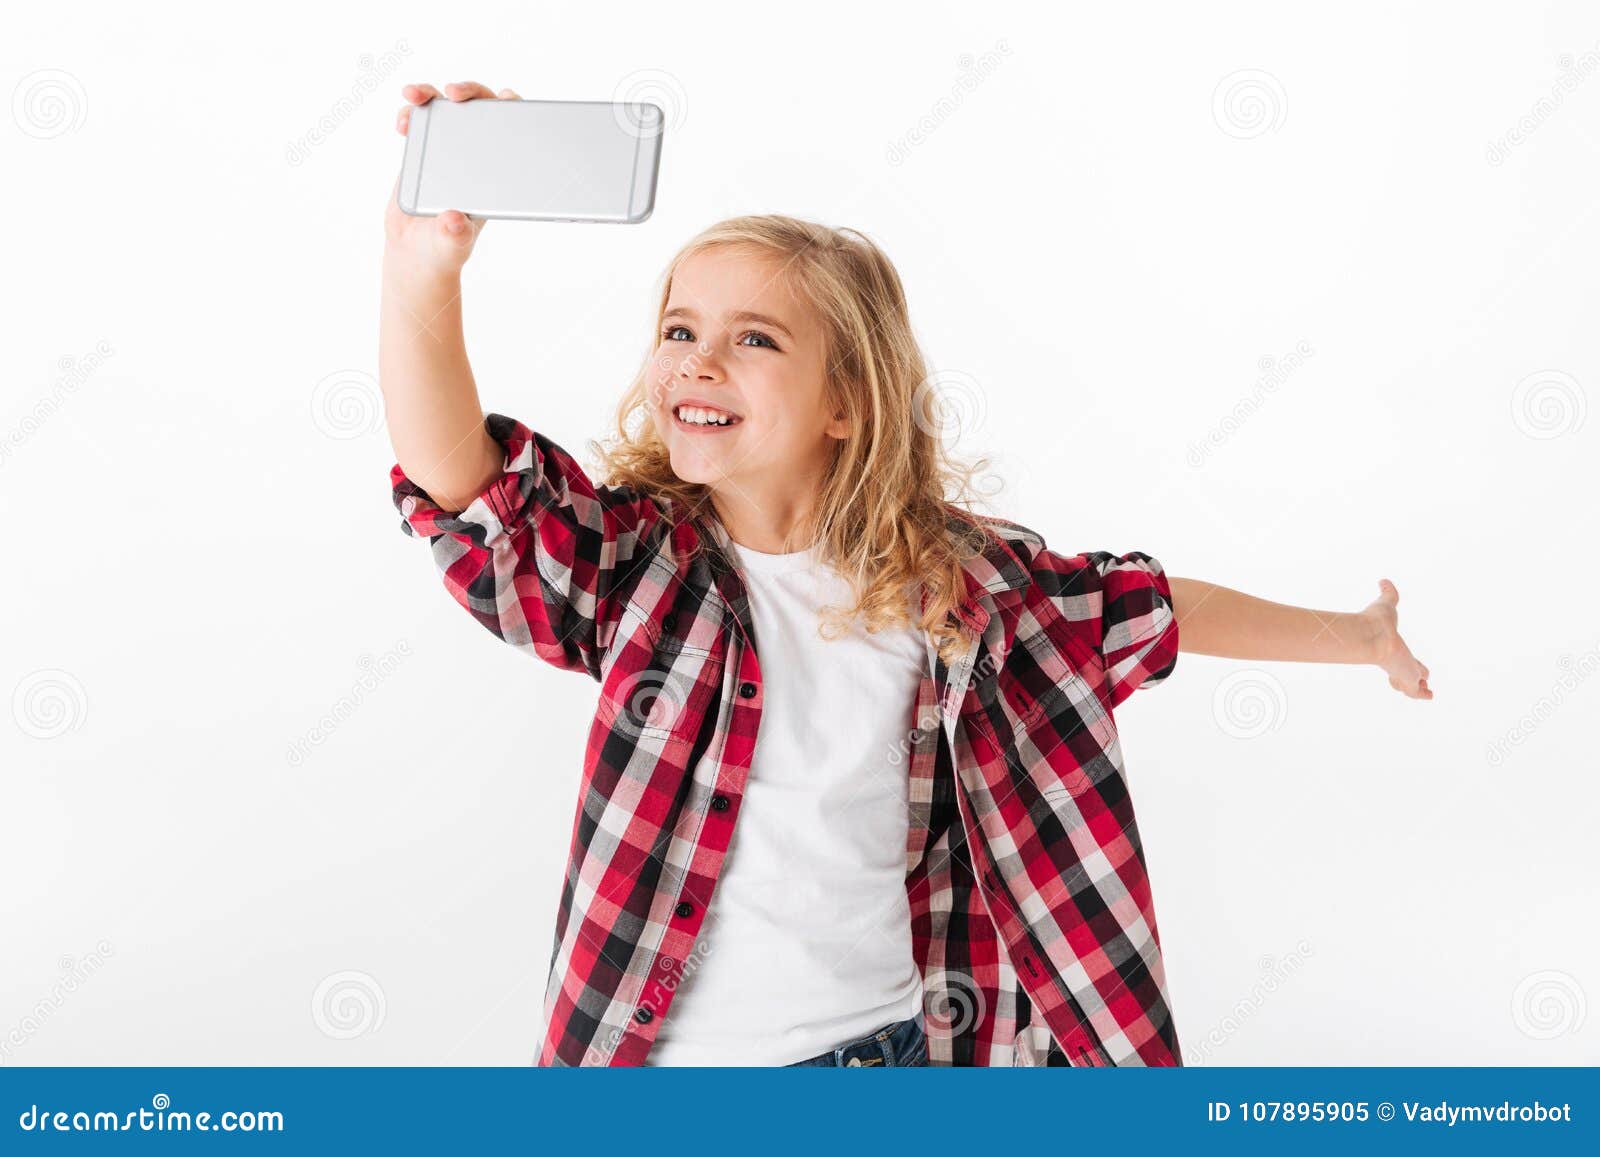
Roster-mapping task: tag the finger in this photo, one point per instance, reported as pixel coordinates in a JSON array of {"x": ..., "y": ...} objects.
[
  {"x": 1388, "y": 592},
  {"x": 508, "y": 94},
  {"x": 454, "y": 224},
  {"x": 402, "y": 120},
  {"x": 467, "y": 90},
  {"x": 419, "y": 93},
  {"x": 1419, "y": 680}
]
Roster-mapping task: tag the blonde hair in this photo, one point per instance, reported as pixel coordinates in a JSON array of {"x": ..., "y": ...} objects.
[{"x": 883, "y": 518}]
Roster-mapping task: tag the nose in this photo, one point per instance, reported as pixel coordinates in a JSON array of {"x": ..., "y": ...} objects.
[{"x": 700, "y": 365}]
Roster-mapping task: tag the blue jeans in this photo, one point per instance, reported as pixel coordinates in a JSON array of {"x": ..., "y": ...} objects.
[{"x": 900, "y": 1044}]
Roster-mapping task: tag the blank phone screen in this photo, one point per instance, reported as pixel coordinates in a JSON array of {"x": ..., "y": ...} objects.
[{"x": 551, "y": 159}]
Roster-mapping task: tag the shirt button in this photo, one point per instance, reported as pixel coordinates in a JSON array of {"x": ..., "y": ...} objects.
[
  {"x": 719, "y": 803},
  {"x": 670, "y": 621},
  {"x": 642, "y": 1015},
  {"x": 685, "y": 909},
  {"x": 747, "y": 690}
]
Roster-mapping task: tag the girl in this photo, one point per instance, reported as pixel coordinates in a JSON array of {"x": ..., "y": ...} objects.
[{"x": 901, "y": 837}]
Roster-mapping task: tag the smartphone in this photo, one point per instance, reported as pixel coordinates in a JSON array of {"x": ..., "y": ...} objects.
[{"x": 532, "y": 160}]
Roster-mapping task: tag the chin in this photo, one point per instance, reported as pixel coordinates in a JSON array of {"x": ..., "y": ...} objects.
[{"x": 692, "y": 467}]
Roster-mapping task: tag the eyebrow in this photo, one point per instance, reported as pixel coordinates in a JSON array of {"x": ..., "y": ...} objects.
[{"x": 739, "y": 315}]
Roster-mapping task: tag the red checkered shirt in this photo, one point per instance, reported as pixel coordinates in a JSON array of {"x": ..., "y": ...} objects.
[{"x": 1032, "y": 919}]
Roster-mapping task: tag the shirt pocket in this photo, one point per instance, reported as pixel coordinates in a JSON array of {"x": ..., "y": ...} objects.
[{"x": 654, "y": 690}]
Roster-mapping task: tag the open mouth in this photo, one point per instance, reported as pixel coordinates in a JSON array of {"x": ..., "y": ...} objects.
[{"x": 704, "y": 418}]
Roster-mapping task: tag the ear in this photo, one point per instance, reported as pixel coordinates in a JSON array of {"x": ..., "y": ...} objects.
[{"x": 838, "y": 428}]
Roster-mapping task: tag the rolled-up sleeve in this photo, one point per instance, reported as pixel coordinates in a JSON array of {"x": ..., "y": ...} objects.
[
  {"x": 1138, "y": 629},
  {"x": 542, "y": 557}
]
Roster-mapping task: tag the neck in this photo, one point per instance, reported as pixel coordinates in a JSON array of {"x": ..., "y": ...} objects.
[{"x": 774, "y": 524}]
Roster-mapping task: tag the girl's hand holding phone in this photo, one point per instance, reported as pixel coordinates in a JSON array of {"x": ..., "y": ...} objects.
[
  {"x": 431, "y": 404},
  {"x": 439, "y": 244}
]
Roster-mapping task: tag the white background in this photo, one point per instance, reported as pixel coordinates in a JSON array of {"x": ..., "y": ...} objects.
[{"x": 202, "y": 553}]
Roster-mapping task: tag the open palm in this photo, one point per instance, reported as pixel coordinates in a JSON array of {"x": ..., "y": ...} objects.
[{"x": 1406, "y": 672}]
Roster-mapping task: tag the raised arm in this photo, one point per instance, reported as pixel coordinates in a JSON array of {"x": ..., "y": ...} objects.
[
  {"x": 435, "y": 419},
  {"x": 525, "y": 541},
  {"x": 1216, "y": 620}
]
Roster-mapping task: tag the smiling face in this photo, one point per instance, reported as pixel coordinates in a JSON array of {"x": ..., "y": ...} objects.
[{"x": 735, "y": 341}]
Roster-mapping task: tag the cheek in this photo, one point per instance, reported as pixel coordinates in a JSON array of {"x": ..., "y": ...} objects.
[
  {"x": 661, "y": 378},
  {"x": 774, "y": 389},
  {"x": 794, "y": 399}
]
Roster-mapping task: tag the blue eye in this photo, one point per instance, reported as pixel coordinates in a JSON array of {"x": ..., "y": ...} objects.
[{"x": 671, "y": 332}]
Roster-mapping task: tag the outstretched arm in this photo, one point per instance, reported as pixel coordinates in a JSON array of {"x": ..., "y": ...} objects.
[{"x": 1214, "y": 620}]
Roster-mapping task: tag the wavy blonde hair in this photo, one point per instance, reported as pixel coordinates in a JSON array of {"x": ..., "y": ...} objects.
[{"x": 883, "y": 516}]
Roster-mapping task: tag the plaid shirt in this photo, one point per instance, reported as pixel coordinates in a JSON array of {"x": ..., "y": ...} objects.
[{"x": 1032, "y": 919}]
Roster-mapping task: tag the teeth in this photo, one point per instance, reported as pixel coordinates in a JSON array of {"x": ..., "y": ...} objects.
[{"x": 699, "y": 416}]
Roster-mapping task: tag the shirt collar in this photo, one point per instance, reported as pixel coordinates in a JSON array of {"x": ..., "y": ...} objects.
[{"x": 991, "y": 578}]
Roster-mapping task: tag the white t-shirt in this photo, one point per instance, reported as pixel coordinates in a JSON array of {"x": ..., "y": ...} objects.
[{"x": 808, "y": 933}]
